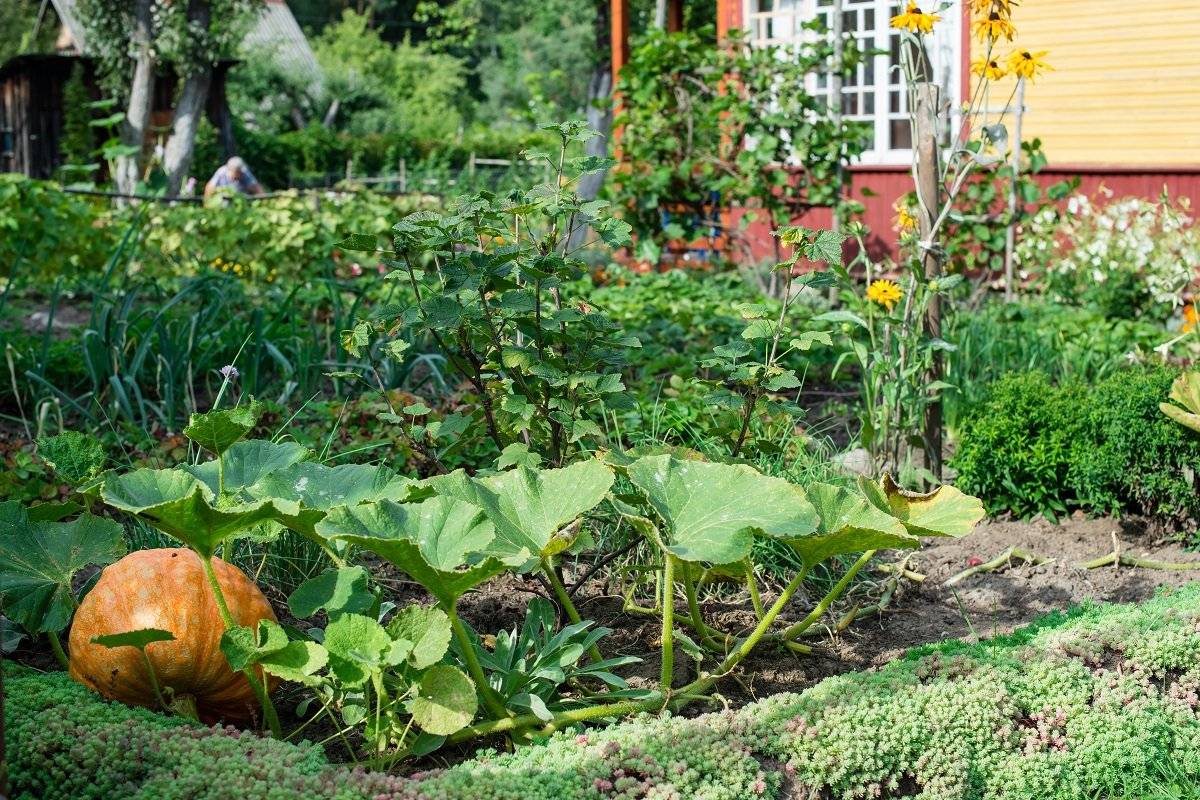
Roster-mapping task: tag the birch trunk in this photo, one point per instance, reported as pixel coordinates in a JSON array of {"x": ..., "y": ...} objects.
[
  {"x": 189, "y": 108},
  {"x": 141, "y": 96}
]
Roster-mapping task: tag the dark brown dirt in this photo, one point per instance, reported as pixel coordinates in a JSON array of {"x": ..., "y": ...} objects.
[{"x": 980, "y": 606}]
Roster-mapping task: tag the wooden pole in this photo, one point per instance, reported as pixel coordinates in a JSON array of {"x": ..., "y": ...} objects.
[
  {"x": 835, "y": 113},
  {"x": 619, "y": 19},
  {"x": 674, "y": 16},
  {"x": 929, "y": 185},
  {"x": 1010, "y": 235}
]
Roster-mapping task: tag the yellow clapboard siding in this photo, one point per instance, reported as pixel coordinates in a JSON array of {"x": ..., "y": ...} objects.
[{"x": 1125, "y": 90}]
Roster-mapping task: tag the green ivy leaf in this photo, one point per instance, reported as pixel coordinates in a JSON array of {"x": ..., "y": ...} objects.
[
  {"x": 446, "y": 702},
  {"x": 338, "y": 591},
  {"x": 38, "y": 560},
  {"x": 75, "y": 457},
  {"x": 712, "y": 511}
]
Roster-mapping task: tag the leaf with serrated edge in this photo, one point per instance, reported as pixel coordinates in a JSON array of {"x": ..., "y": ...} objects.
[
  {"x": 430, "y": 540},
  {"x": 849, "y": 524},
  {"x": 428, "y": 628},
  {"x": 297, "y": 662},
  {"x": 357, "y": 646},
  {"x": 337, "y": 591},
  {"x": 446, "y": 702},
  {"x": 38, "y": 560},
  {"x": 181, "y": 506},
  {"x": 217, "y": 431},
  {"x": 529, "y": 508},
  {"x": 943, "y": 512},
  {"x": 713, "y": 510},
  {"x": 246, "y": 463}
]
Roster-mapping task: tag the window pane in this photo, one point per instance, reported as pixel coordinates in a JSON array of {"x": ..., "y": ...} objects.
[{"x": 901, "y": 134}]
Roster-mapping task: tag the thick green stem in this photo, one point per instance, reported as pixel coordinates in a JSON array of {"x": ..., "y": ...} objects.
[
  {"x": 800, "y": 627},
  {"x": 256, "y": 685},
  {"x": 697, "y": 622},
  {"x": 494, "y": 706},
  {"x": 568, "y": 607},
  {"x": 752, "y": 585},
  {"x": 559, "y": 720},
  {"x": 668, "y": 625},
  {"x": 57, "y": 648}
]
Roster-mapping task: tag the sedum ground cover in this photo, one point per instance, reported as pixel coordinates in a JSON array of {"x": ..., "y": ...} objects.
[{"x": 1100, "y": 702}]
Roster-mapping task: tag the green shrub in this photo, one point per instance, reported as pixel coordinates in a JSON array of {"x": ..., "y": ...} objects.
[
  {"x": 1036, "y": 447},
  {"x": 1097, "y": 703}
]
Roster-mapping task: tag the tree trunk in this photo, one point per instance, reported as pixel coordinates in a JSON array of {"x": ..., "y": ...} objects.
[
  {"x": 599, "y": 114},
  {"x": 189, "y": 108},
  {"x": 141, "y": 97}
]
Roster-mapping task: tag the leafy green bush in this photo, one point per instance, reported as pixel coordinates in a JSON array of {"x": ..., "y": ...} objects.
[
  {"x": 1064, "y": 342},
  {"x": 1099, "y": 702},
  {"x": 1034, "y": 447}
]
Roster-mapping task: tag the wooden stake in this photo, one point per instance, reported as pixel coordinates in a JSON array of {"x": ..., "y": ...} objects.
[{"x": 928, "y": 180}]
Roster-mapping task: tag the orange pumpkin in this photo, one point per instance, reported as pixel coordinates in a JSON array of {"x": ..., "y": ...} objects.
[{"x": 167, "y": 589}]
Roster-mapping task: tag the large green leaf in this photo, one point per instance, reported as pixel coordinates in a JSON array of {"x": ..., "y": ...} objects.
[
  {"x": 943, "y": 512},
  {"x": 139, "y": 638},
  {"x": 446, "y": 702},
  {"x": 849, "y": 524},
  {"x": 246, "y": 463},
  {"x": 428, "y": 628},
  {"x": 337, "y": 591},
  {"x": 430, "y": 540},
  {"x": 267, "y": 646},
  {"x": 359, "y": 647},
  {"x": 306, "y": 491},
  {"x": 529, "y": 508},
  {"x": 1186, "y": 392},
  {"x": 75, "y": 457},
  {"x": 39, "y": 559},
  {"x": 712, "y": 511},
  {"x": 183, "y": 507}
]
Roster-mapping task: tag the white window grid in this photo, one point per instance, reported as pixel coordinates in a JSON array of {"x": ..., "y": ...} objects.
[{"x": 875, "y": 93}]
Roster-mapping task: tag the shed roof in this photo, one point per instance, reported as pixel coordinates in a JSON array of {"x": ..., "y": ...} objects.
[{"x": 275, "y": 31}]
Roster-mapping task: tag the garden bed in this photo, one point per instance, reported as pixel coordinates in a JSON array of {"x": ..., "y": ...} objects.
[{"x": 1099, "y": 702}]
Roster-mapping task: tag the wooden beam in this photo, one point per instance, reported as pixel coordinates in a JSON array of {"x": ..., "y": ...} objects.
[
  {"x": 729, "y": 17},
  {"x": 674, "y": 16},
  {"x": 619, "y": 18}
]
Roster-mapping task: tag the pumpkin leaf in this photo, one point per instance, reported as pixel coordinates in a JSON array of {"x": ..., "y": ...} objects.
[
  {"x": 38, "y": 560},
  {"x": 531, "y": 509},
  {"x": 430, "y": 540},
  {"x": 446, "y": 702},
  {"x": 179, "y": 505},
  {"x": 217, "y": 431},
  {"x": 139, "y": 638},
  {"x": 428, "y": 628},
  {"x": 943, "y": 512},
  {"x": 297, "y": 662},
  {"x": 712, "y": 511},
  {"x": 338, "y": 591},
  {"x": 244, "y": 646},
  {"x": 307, "y": 490},
  {"x": 848, "y": 524},
  {"x": 75, "y": 457},
  {"x": 246, "y": 463},
  {"x": 358, "y": 647},
  {"x": 1186, "y": 392}
]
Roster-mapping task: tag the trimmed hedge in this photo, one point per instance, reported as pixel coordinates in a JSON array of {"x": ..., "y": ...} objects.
[
  {"x": 1100, "y": 702},
  {"x": 1035, "y": 447}
]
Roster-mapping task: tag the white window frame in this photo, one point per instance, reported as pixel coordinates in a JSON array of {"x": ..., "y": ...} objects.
[{"x": 779, "y": 25}]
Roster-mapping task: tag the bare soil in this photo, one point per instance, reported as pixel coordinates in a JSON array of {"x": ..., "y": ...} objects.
[{"x": 981, "y": 606}]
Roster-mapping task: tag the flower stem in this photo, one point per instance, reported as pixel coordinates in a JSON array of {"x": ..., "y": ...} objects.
[{"x": 256, "y": 685}]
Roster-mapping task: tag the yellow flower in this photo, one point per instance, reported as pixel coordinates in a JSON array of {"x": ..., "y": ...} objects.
[
  {"x": 1026, "y": 64},
  {"x": 914, "y": 20},
  {"x": 885, "y": 293},
  {"x": 990, "y": 70},
  {"x": 985, "y": 8},
  {"x": 905, "y": 221},
  {"x": 995, "y": 26}
]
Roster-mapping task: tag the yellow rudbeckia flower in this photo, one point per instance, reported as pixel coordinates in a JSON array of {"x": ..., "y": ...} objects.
[
  {"x": 995, "y": 26},
  {"x": 885, "y": 293},
  {"x": 914, "y": 20},
  {"x": 905, "y": 221},
  {"x": 985, "y": 8},
  {"x": 990, "y": 69},
  {"x": 1027, "y": 64}
]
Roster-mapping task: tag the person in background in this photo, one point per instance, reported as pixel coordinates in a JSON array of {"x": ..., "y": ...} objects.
[{"x": 233, "y": 174}]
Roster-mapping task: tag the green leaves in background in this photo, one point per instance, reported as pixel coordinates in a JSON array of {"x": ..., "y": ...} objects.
[
  {"x": 38, "y": 560},
  {"x": 1186, "y": 392},
  {"x": 531, "y": 509},
  {"x": 217, "y": 431},
  {"x": 713, "y": 510}
]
